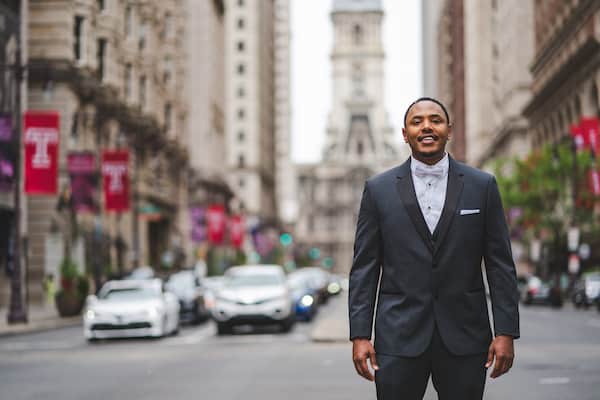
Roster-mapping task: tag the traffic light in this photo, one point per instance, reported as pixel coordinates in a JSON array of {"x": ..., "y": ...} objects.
[
  {"x": 314, "y": 253},
  {"x": 286, "y": 239}
]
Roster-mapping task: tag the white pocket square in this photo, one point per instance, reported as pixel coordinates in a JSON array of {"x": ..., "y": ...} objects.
[{"x": 469, "y": 212}]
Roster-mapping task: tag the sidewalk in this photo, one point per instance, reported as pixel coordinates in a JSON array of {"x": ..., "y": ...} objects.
[
  {"x": 40, "y": 318},
  {"x": 332, "y": 321}
]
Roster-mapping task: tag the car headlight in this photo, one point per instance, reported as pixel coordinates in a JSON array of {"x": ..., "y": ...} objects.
[
  {"x": 154, "y": 312},
  {"x": 90, "y": 314},
  {"x": 307, "y": 300},
  {"x": 333, "y": 288}
]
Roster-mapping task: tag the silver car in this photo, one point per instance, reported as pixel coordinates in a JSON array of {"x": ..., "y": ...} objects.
[
  {"x": 252, "y": 295},
  {"x": 131, "y": 308}
]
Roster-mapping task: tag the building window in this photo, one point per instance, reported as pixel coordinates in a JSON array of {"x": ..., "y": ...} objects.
[
  {"x": 241, "y": 183},
  {"x": 357, "y": 34},
  {"x": 128, "y": 21},
  {"x": 142, "y": 37},
  {"x": 101, "y": 5},
  {"x": 241, "y": 114},
  {"x": 241, "y": 92},
  {"x": 78, "y": 39},
  {"x": 240, "y": 46},
  {"x": 101, "y": 58},
  {"x": 128, "y": 79},
  {"x": 167, "y": 74},
  {"x": 142, "y": 93},
  {"x": 241, "y": 161},
  {"x": 241, "y": 69},
  {"x": 240, "y": 23},
  {"x": 168, "y": 116},
  {"x": 241, "y": 136},
  {"x": 241, "y": 3},
  {"x": 168, "y": 29}
]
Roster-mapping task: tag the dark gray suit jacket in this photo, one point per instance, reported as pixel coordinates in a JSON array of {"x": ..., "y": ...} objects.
[{"x": 427, "y": 279}]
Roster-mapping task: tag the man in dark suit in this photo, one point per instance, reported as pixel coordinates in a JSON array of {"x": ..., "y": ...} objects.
[{"x": 423, "y": 230}]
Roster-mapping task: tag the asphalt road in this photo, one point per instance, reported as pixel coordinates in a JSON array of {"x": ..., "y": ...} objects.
[{"x": 558, "y": 358}]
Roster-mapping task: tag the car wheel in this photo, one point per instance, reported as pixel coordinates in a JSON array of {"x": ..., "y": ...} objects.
[
  {"x": 288, "y": 324},
  {"x": 223, "y": 328}
]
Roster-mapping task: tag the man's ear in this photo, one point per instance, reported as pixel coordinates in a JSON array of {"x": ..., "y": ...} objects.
[{"x": 404, "y": 134}]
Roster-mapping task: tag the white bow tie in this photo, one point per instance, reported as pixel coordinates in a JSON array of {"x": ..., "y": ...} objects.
[{"x": 423, "y": 171}]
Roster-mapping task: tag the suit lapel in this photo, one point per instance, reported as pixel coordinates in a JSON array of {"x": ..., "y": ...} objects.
[
  {"x": 453, "y": 192},
  {"x": 406, "y": 190}
]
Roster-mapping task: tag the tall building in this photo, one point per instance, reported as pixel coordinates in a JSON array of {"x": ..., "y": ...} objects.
[
  {"x": 250, "y": 105},
  {"x": 205, "y": 98},
  {"x": 359, "y": 139},
  {"x": 113, "y": 70},
  {"x": 565, "y": 68},
  {"x": 430, "y": 17},
  {"x": 482, "y": 76},
  {"x": 285, "y": 174}
]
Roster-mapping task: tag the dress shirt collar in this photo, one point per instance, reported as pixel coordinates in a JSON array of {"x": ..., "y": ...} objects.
[{"x": 442, "y": 165}]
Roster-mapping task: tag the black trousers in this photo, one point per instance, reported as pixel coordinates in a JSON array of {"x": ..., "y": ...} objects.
[{"x": 454, "y": 377}]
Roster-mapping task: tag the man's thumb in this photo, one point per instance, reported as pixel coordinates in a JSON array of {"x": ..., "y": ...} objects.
[{"x": 373, "y": 361}]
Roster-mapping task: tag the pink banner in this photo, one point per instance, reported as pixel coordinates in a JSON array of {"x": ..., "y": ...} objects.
[
  {"x": 237, "y": 230},
  {"x": 41, "y": 151},
  {"x": 115, "y": 173},
  {"x": 216, "y": 221}
]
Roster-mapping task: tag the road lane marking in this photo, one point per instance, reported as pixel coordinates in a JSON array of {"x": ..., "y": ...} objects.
[{"x": 557, "y": 380}]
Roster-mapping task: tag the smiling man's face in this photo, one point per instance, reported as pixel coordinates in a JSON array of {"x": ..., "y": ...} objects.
[{"x": 427, "y": 131}]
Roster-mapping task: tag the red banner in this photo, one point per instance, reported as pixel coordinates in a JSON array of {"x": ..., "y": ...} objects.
[
  {"x": 41, "y": 151},
  {"x": 590, "y": 130},
  {"x": 236, "y": 231},
  {"x": 115, "y": 179},
  {"x": 215, "y": 218},
  {"x": 594, "y": 182},
  {"x": 82, "y": 173},
  {"x": 577, "y": 134}
]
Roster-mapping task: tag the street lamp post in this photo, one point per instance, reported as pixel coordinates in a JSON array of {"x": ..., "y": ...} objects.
[{"x": 17, "y": 312}]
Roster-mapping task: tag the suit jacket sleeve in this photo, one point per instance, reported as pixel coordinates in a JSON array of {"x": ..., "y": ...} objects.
[
  {"x": 366, "y": 265},
  {"x": 500, "y": 267}
]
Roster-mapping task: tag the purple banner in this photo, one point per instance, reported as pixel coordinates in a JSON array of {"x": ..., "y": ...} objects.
[
  {"x": 198, "y": 217},
  {"x": 5, "y": 128},
  {"x": 7, "y": 156},
  {"x": 82, "y": 172}
]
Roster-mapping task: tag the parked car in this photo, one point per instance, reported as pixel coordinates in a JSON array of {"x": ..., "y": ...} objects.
[
  {"x": 131, "y": 308},
  {"x": 586, "y": 290},
  {"x": 319, "y": 280},
  {"x": 145, "y": 272},
  {"x": 251, "y": 295},
  {"x": 304, "y": 295},
  {"x": 536, "y": 291},
  {"x": 186, "y": 286},
  {"x": 211, "y": 285}
]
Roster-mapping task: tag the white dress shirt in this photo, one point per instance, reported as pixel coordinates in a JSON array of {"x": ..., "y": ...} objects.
[{"x": 430, "y": 183}]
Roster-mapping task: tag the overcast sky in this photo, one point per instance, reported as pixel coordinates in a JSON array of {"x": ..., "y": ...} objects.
[{"x": 311, "y": 80}]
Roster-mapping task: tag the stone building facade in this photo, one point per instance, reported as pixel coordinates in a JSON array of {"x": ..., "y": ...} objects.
[
  {"x": 113, "y": 71},
  {"x": 251, "y": 106},
  {"x": 359, "y": 139},
  {"x": 482, "y": 76},
  {"x": 565, "y": 68},
  {"x": 205, "y": 93}
]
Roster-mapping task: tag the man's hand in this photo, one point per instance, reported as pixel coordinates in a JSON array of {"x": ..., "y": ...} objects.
[
  {"x": 362, "y": 349},
  {"x": 502, "y": 349}
]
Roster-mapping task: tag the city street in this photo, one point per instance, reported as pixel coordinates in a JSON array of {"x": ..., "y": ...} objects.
[{"x": 558, "y": 358}]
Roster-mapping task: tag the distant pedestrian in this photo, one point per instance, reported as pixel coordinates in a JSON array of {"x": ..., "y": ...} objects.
[{"x": 423, "y": 229}]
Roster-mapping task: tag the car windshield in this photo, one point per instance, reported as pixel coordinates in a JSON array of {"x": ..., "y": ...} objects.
[
  {"x": 254, "y": 280},
  {"x": 181, "y": 282},
  {"x": 138, "y": 293}
]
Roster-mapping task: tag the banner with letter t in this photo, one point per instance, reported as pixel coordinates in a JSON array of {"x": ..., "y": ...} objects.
[{"x": 115, "y": 180}]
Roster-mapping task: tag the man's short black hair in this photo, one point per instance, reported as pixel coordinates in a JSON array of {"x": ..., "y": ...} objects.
[{"x": 420, "y": 99}]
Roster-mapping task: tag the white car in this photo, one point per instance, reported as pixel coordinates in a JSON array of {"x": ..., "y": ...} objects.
[
  {"x": 131, "y": 308},
  {"x": 251, "y": 295}
]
